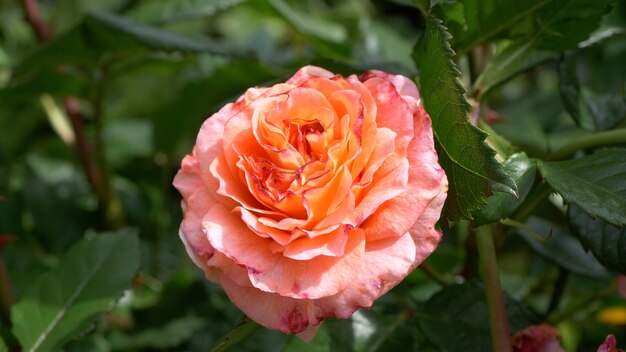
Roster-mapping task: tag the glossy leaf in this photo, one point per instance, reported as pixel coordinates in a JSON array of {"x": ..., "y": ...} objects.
[
  {"x": 596, "y": 183},
  {"x": 500, "y": 205},
  {"x": 563, "y": 249},
  {"x": 607, "y": 242},
  {"x": 455, "y": 318},
  {"x": 63, "y": 302},
  {"x": 472, "y": 170}
]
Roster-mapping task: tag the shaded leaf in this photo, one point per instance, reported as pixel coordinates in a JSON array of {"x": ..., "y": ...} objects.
[
  {"x": 65, "y": 301},
  {"x": 455, "y": 318},
  {"x": 594, "y": 111},
  {"x": 508, "y": 62},
  {"x": 326, "y": 36},
  {"x": 472, "y": 170},
  {"x": 169, "y": 336},
  {"x": 500, "y": 205},
  {"x": 607, "y": 242},
  {"x": 486, "y": 19},
  {"x": 99, "y": 33},
  {"x": 563, "y": 249},
  {"x": 596, "y": 183},
  {"x": 166, "y": 11},
  {"x": 556, "y": 24}
]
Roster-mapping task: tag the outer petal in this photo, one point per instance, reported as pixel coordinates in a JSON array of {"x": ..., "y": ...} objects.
[
  {"x": 272, "y": 272},
  {"x": 308, "y": 72},
  {"x": 427, "y": 180}
]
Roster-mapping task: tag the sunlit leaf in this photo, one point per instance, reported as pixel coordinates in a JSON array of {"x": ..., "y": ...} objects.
[
  {"x": 472, "y": 170},
  {"x": 500, "y": 205}
]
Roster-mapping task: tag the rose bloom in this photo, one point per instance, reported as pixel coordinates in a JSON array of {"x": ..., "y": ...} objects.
[{"x": 312, "y": 198}]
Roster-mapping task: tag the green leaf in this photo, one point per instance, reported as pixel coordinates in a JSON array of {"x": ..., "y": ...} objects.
[
  {"x": 103, "y": 33},
  {"x": 455, "y": 318},
  {"x": 365, "y": 331},
  {"x": 596, "y": 183},
  {"x": 166, "y": 11},
  {"x": 605, "y": 241},
  {"x": 517, "y": 57},
  {"x": 564, "y": 23},
  {"x": 328, "y": 37},
  {"x": 486, "y": 19},
  {"x": 594, "y": 111},
  {"x": 86, "y": 282},
  {"x": 563, "y": 249},
  {"x": 472, "y": 170},
  {"x": 500, "y": 205},
  {"x": 557, "y": 24},
  {"x": 169, "y": 336},
  {"x": 3, "y": 346}
]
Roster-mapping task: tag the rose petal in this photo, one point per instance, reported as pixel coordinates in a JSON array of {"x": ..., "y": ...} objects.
[{"x": 271, "y": 272}]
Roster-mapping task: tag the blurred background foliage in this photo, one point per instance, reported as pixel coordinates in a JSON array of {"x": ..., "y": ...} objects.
[{"x": 98, "y": 107}]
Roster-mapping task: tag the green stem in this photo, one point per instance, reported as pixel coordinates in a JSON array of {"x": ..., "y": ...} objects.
[
  {"x": 557, "y": 294},
  {"x": 498, "y": 321},
  {"x": 600, "y": 139},
  {"x": 236, "y": 335}
]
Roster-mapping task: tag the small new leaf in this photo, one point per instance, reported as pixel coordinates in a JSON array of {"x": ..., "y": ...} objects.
[{"x": 472, "y": 170}]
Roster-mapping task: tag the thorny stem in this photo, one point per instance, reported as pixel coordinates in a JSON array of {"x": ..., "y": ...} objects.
[
  {"x": 600, "y": 139},
  {"x": 498, "y": 321},
  {"x": 98, "y": 180}
]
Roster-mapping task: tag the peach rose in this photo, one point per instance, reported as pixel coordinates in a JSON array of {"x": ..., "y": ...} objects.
[{"x": 312, "y": 198}]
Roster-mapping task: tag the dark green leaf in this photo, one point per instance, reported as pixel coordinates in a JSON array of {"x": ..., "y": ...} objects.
[
  {"x": 605, "y": 241},
  {"x": 569, "y": 87},
  {"x": 169, "y": 336},
  {"x": 65, "y": 301},
  {"x": 564, "y": 23},
  {"x": 556, "y": 24},
  {"x": 365, "y": 331},
  {"x": 47, "y": 82},
  {"x": 455, "y": 319},
  {"x": 594, "y": 111},
  {"x": 500, "y": 205},
  {"x": 472, "y": 170},
  {"x": 596, "y": 183},
  {"x": 563, "y": 249},
  {"x": 486, "y": 19},
  {"x": 3, "y": 346},
  {"x": 99, "y": 33},
  {"x": 508, "y": 62},
  {"x": 166, "y": 11},
  {"x": 328, "y": 37}
]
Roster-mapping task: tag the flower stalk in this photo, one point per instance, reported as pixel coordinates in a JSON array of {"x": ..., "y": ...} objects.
[
  {"x": 498, "y": 321},
  {"x": 245, "y": 328}
]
